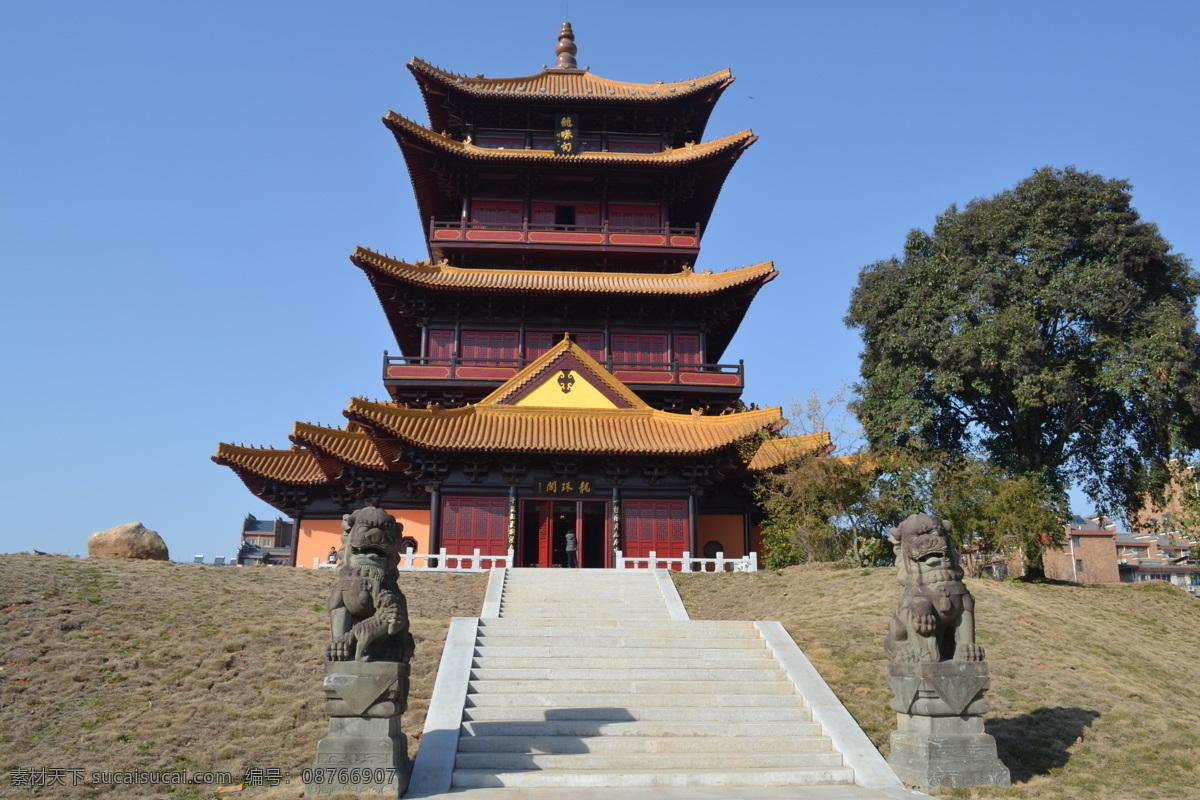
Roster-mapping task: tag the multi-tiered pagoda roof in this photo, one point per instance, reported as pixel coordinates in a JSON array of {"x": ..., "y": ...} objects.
[{"x": 557, "y": 337}]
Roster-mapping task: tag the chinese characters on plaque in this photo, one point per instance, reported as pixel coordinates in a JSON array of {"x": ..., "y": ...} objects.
[
  {"x": 564, "y": 487},
  {"x": 566, "y": 134}
]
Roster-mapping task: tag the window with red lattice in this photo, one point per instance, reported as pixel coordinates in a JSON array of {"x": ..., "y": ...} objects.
[
  {"x": 490, "y": 346},
  {"x": 538, "y": 342},
  {"x": 658, "y": 525},
  {"x": 475, "y": 522},
  {"x": 630, "y": 217},
  {"x": 687, "y": 351},
  {"x": 496, "y": 212},
  {"x": 441, "y": 344},
  {"x": 638, "y": 350}
]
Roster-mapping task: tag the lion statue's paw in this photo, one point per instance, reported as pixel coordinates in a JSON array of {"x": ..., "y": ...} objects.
[{"x": 968, "y": 652}]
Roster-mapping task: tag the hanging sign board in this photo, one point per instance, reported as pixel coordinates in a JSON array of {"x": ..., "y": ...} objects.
[{"x": 566, "y": 134}]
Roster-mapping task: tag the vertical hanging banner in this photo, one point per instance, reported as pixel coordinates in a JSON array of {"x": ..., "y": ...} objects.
[{"x": 566, "y": 134}]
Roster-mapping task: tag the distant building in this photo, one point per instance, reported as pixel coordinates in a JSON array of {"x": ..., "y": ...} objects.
[
  {"x": 1096, "y": 553},
  {"x": 1089, "y": 554},
  {"x": 265, "y": 541},
  {"x": 1157, "y": 557}
]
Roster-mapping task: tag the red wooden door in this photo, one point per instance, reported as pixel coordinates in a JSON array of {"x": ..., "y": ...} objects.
[
  {"x": 545, "y": 537},
  {"x": 654, "y": 525}
]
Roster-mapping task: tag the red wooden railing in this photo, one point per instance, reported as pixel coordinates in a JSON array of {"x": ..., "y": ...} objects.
[
  {"x": 454, "y": 368},
  {"x": 467, "y": 232}
]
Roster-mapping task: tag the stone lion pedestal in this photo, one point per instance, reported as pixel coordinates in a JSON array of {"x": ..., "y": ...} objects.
[
  {"x": 939, "y": 740},
  {"x": 937, "y": 672},
  {"x": 365, "y": 751},
  {"x": 366, "y": 665}
]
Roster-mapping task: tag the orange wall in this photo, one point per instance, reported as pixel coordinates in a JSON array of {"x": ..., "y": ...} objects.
[
  {"x": 315, "y": 538},
  {"x": 724, "y": 528},
  {"x": 318, "y": 535}
]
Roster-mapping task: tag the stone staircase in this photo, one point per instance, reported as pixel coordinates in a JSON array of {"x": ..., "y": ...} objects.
[{"x": 585, "y": 680}]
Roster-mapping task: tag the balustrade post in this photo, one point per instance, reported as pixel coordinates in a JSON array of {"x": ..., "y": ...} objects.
[
  {"x": 720, "y": 561},
  {"x": 442, "y": 562},
  {"x": 475, "y": 562},
  {"x": 408, "y": 558},
  {"x": 653, "y": 562},
  {"x": 753, "y": 562},
  {"x": 686, "y": 565},
  {"x": 620, "y": 562}
]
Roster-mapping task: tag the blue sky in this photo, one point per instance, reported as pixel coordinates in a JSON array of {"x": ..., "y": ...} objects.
[{"x": 183, "y": 183}]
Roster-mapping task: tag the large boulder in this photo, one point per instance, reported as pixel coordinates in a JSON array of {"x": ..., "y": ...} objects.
[{"x": 131, "y": 540}]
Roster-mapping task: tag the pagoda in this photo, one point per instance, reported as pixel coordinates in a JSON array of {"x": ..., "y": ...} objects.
[{"x": 559, "y": 365}]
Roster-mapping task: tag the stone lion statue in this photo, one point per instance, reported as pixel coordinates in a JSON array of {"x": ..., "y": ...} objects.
[
  {"x": 368, "y": 615},
  {"x": 935, "y": 618}
]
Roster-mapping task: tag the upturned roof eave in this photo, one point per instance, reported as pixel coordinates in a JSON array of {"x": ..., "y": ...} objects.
[
  {"x": 410, "y": 134},
  {"x": 442, "y": 277},
  {"x": 299, "y": 468},
  {"x": 603, "y": 90},
  {"x": 412, "y": 426}
]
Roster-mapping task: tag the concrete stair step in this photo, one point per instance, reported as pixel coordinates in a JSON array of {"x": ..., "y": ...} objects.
[
  {"x": 577, "y": 607},
  {"x": 688, "y": 625},
  {"x": 567, "y": 629},
  {"x": 572, "y": 589},
  {"x": 613, "y": 645},
  {"x": 575, "y": 604},
  {"x": 502, "y": 762},
  {"x": 630, "y": 745},
  {"x": 629, "y": 701},
  {"x": 792, "y": 713},
  {"x": 722, "y": 659},
  {"x": 579, "y": 640},
  {"x": 635, "y": 612},
  {"x": 811, "y": 776},
  {"x": 584, "y": 690},
  {"x": 491, "y": 729},
  {"x": 697, "y": 671},
  {"x": 584, "y": 681},
  {"x": 541, "y": 573}
]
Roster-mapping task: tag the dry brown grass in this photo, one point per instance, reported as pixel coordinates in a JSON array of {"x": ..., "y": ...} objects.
[
  {"x": 110, "y": 664},
  {"x": 114, "y": 665},
  {"x": 1095, "y": 689}
]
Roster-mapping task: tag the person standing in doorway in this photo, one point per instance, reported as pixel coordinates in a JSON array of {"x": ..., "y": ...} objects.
[{"x": 570, "y": 550}]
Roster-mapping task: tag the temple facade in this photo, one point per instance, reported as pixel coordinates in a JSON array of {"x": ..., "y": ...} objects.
[{"x": 561, "y": 365}]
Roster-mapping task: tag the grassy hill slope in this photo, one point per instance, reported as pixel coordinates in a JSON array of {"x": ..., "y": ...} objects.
[
  {"x": 1095, "y": 689},
  {"x": 109, "y": 665},
  {"x": 114, "y": 665}
]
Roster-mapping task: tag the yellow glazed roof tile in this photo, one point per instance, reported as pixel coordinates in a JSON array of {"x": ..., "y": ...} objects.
[
  {"x": 443, "y": 276},
  {"x": 346, "y": 446},
  {"x": 596, "y": 431},
  {"x": 287, "y": 466},
  {"x": 494, "y": 424},
  {"x": 777, "y": 452},
  {"x": 573, "y": 84},
  {"x": 404, "y": 127}
]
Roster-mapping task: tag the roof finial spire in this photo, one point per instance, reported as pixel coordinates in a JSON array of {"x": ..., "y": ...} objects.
[{"x": 566, "y": 48}]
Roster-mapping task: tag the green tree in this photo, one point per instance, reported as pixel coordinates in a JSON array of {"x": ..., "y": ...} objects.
[
  {"x": 840, "y": 509},
  {"x": 1048, "y": 327}
]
